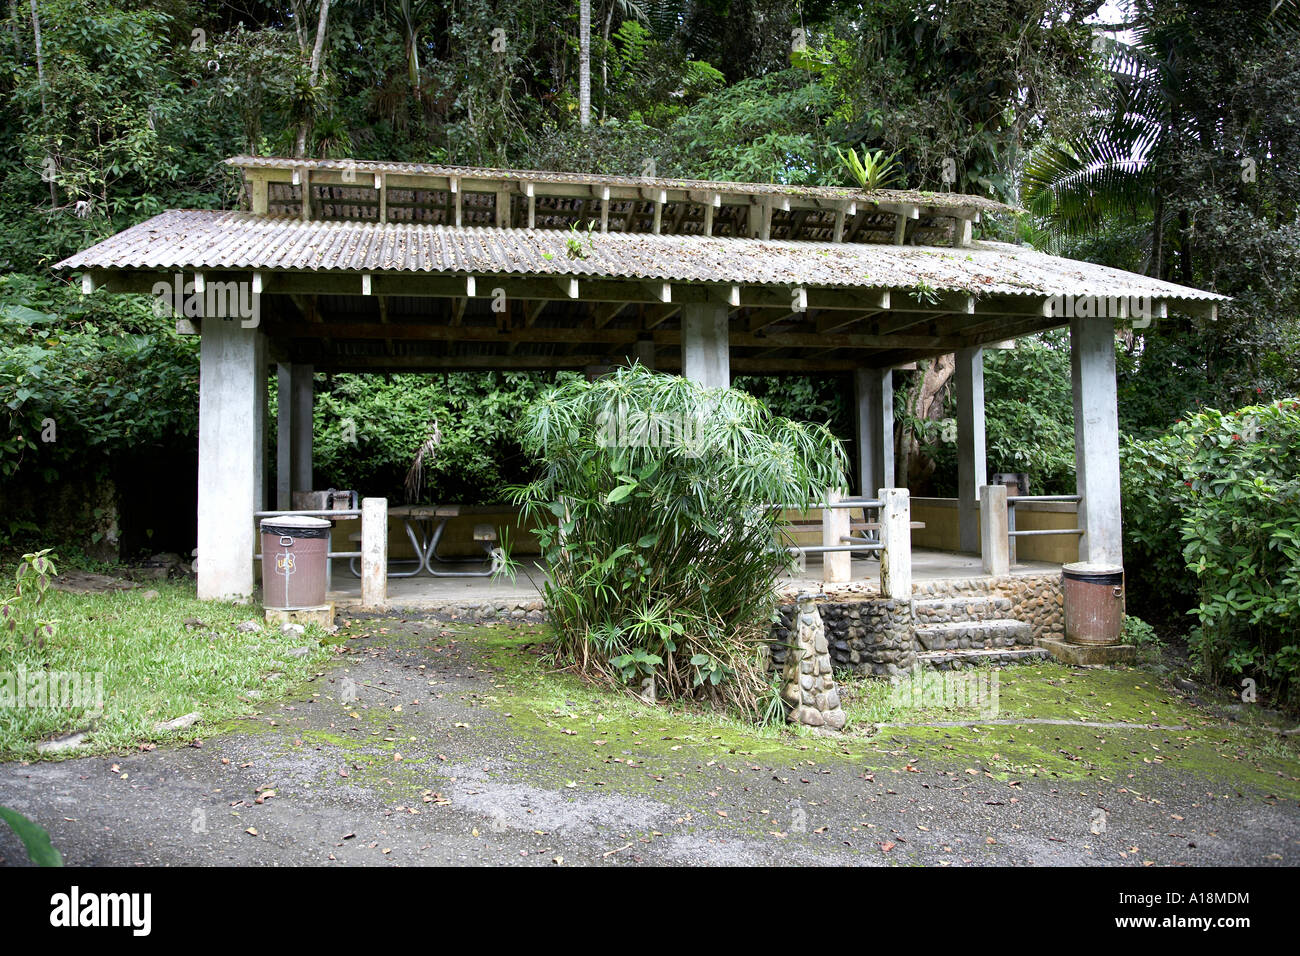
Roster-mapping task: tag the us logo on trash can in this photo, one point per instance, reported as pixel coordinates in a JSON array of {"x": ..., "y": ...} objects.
[
  {"x": 284, "y": 568},
  {"x": 295, "y": 552}
]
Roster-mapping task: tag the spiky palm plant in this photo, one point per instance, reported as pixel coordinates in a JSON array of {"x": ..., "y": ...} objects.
[{"x": 650, "y": 510}]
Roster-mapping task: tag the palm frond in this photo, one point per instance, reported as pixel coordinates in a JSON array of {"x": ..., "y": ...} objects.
[{"x": 414, "y": 483}]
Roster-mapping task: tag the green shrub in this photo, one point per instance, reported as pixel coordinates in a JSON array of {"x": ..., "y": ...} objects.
[
  {"x": 1228, "y": 486},
  {"x": 1139, "y": 633},
  {"x": 652, "y": 519}
]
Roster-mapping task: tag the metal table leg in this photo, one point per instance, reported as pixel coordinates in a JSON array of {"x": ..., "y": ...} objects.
[{"x": 432, "y": 555}]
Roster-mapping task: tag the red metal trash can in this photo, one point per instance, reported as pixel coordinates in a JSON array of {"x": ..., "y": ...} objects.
[
  {"x": 1094, "y": 602},
  {"x": 295, "y": 553}
]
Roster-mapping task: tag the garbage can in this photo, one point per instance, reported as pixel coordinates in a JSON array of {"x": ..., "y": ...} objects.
[
  {"x": 1094, "y": 602},
  {"x": 295, "y": 551}
]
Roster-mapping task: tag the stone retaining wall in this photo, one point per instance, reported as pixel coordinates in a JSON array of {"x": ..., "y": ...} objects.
[
  {"x": 871, "y": 637},
  {"x": 1034, "y": 598},
  {"x": 532, "y": 611}
]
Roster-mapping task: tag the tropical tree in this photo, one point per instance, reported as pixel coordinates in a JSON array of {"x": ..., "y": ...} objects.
[
  {"x": 309, "y": 93},
  {"x": 1131, "y": 162},
  {"x": 584, "y": 62}
]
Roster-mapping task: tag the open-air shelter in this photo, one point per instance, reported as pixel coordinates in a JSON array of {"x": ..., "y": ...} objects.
[{"x": 340, "y": 265}]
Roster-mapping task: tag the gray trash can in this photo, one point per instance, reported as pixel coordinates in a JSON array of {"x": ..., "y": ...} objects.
[{"x": 295, "y": 550}]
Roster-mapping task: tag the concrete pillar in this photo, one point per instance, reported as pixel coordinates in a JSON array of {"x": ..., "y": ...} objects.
[
  {"x": 301, "y": 398},
  {"x": 972, "y": 468},
  {"x": 283, "y": 438},
  {"x": 995, "y": 543},
  {"x": 231, "y": 366},
  {"x": 873, "y": 390},
  {"x": 1096, "y": 440},
  {"x": 643, "y": 351},
  {"x": 261, "y": 491},
  {"x": 705, "y": 345},
  {"x": 896, "y": 536},
  {"x": 374, "y": 552},
  {"x": 837, "y": 566}
]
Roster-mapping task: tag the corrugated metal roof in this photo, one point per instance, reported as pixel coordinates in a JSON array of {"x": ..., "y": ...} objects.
[
  {"x": 182, "y": 239},
  {"x": 892, "y": 196}
]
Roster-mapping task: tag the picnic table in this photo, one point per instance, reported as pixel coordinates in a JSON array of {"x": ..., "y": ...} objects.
[{"x": 424, "y": 526}]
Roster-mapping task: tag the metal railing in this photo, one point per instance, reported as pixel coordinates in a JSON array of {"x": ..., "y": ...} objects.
[
  {"x": 1012, "y": 533},
  {"x": 854, "y": 544},
  {"x": 823, "y": 505}
]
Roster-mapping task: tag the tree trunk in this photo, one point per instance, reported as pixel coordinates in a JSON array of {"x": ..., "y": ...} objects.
[
  {"x": 304, "y": 127},
  {"x": 604, "y": 63},
  {"x": 923, "y": 398},
  {"x": 40, "y": 83},
  {"x": 584, "y": 62}
]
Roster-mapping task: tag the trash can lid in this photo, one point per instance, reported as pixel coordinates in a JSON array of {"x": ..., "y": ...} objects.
[
  {"x": 304, "y": 526},
  {"x": 1091, "y": 567},
  {"x": 1093, "y": 573}
]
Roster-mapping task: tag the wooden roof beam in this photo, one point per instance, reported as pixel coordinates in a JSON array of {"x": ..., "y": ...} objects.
[
  {"x": 654, "y": 316},
  {"x": 603, "y": 313}
]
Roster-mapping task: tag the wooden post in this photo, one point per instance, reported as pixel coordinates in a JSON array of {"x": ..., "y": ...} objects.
[
  {"x": 374, "y": 552},
  {"x": 837, "y": 566},
  {"x": 896, "y": 536}
]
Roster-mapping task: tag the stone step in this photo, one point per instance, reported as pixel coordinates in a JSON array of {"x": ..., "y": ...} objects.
[
  {"x": 955, "y": 660},
  {"x": 952, "y": 610},
  {"x": 966, "y": 635}
]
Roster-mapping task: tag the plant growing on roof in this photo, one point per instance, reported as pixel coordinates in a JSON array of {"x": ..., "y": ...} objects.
[
  {"x": 573, "y": 245},
  {"x": 651, "y": 513},
  {"x": 924, "y": 292},
  {"x": 874, "y": 170}
]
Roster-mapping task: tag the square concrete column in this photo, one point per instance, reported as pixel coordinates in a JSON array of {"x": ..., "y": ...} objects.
[
  {"x": 896, "y": 536},
  {"x": 1096, "y": 440},
  {"x": 374, "y": 552},
  {"x": 972, "y": 468},
  {"x": 643, "y": 351},
  {"x": 301, "y": 398},
  {"x": 873, "y": 393},
  {"x": 283, "y": 437},
  {"x": 705, "y": 345},
  {"x": 262, "y": 490},
  {"x": 995, "y": 542},
  {"x": 837, "y": 566},
  {"x": 232, "y": 380}
]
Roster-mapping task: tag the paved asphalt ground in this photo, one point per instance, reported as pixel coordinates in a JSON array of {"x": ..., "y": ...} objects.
[{"x": 454, "y": 778}]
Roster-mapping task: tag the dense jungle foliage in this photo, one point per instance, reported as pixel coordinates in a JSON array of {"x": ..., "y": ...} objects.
[{"x": 1167, "y": 143}]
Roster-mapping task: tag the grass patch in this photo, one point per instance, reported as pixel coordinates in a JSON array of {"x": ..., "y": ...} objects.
[
  {"x": 582, "y": 721},
  {"x": 153, "y": 667},
  {"x": 1164, "y": 731}
]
